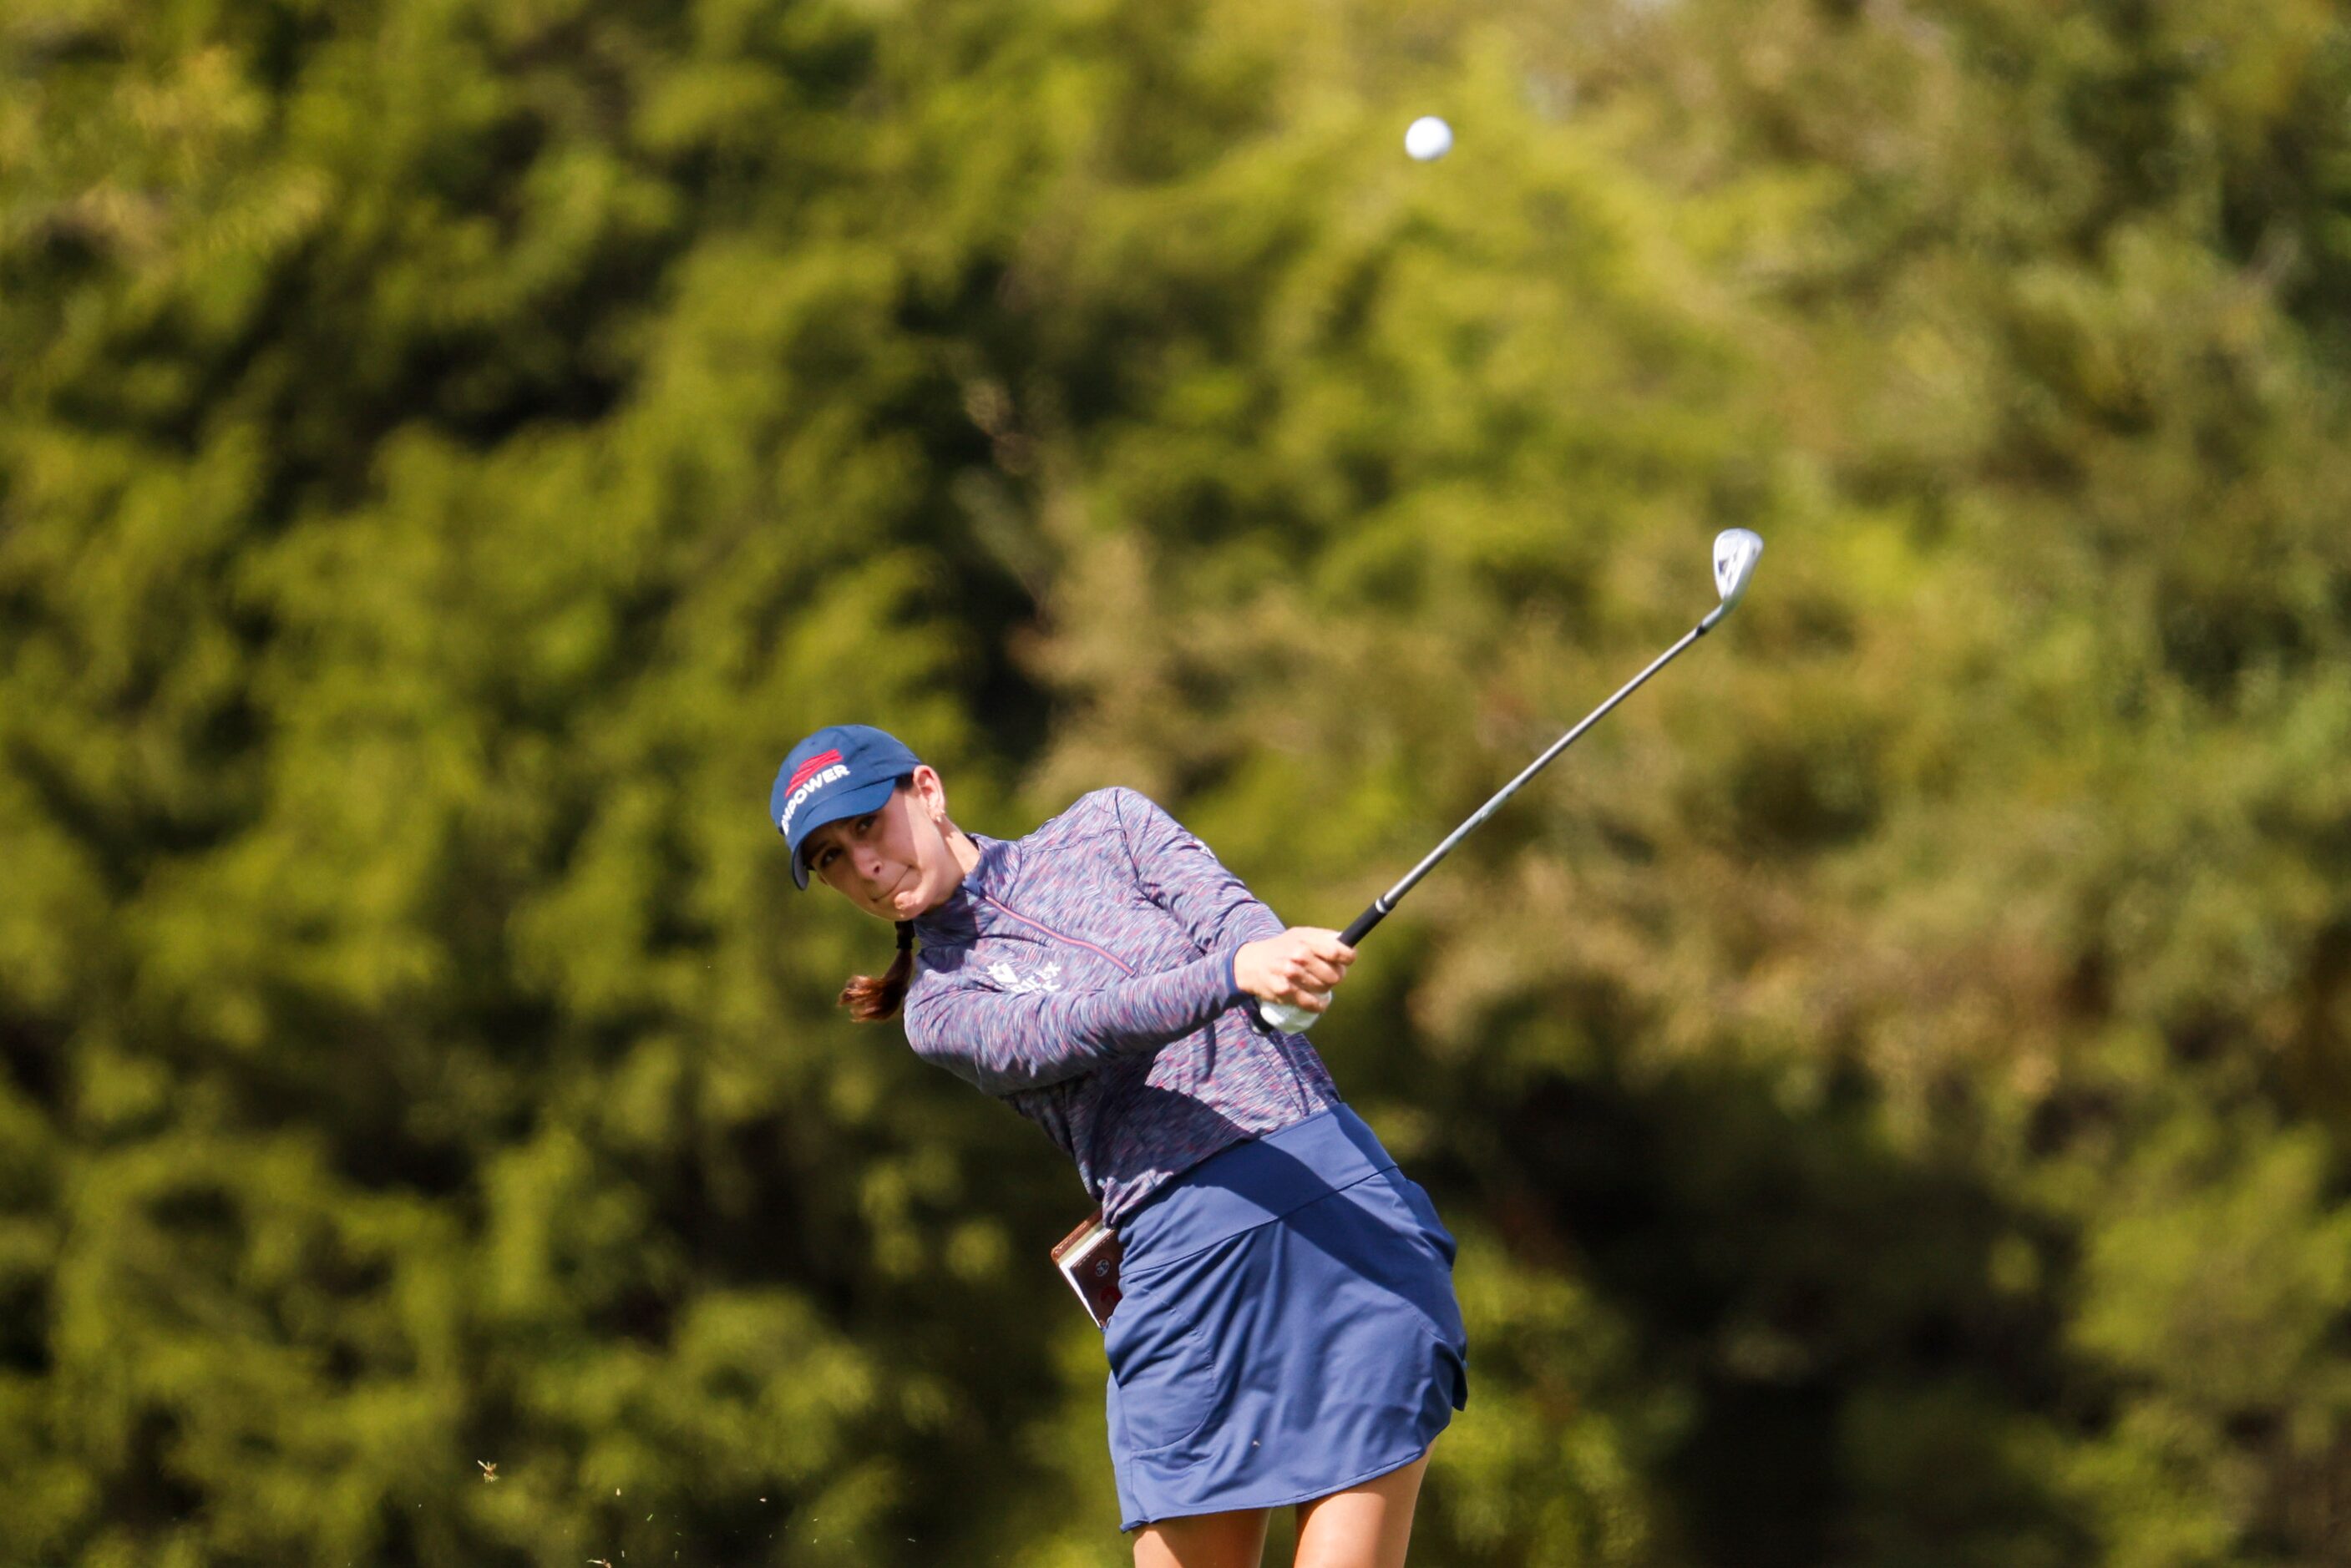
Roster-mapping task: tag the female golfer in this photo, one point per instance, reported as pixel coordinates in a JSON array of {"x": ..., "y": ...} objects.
[{"x": 1288, "y": 1332}]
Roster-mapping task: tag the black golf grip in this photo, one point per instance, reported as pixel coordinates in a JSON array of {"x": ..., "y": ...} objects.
[{"x": 1362, "y": 924}]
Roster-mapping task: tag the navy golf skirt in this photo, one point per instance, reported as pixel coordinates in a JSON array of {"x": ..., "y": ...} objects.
[{"x": 1287, "y": 1326}]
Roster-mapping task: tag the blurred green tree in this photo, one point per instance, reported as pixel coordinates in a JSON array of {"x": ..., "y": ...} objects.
[{"x": 1889, "y": 1084}]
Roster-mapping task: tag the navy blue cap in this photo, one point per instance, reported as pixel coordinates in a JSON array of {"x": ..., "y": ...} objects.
[{"x": 841, "y": 770}]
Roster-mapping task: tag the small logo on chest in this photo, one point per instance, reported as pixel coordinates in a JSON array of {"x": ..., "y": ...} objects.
[{"x": 1047, "y": 978}]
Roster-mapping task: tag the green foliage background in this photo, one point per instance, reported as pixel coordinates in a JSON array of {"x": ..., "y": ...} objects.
[{"x": 1890, "y": 1083}]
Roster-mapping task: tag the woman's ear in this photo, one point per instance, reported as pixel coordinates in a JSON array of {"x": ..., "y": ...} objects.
[{"x": 931, "y": 791}]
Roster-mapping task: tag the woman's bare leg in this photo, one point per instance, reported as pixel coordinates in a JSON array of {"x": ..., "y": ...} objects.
[
  {"x": 1235, "y": 1540},
  {"x": 1366, "y": 1526}
]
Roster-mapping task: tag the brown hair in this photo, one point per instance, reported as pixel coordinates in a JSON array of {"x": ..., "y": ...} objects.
[{"x": 871, "y": 1000}]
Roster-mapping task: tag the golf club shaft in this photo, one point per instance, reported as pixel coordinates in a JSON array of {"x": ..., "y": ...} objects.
[
  {"x": 1736, "y": 550},
  {"x": 1283, "y": 1016},
  {"x": 1386, "y": 902}
]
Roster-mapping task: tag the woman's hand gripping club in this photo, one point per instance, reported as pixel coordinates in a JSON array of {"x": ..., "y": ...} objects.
[{"x": 1291, "y": 975}]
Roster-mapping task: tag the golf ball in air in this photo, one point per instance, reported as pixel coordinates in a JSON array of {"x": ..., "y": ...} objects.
[{"x": 1428, "y": 137}]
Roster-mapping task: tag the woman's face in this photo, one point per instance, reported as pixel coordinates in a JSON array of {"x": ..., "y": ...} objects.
[{"x": 895, "y": 862}]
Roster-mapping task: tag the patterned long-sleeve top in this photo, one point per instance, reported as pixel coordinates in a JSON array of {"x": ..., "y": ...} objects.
[{"x": 1084, "y": 974}]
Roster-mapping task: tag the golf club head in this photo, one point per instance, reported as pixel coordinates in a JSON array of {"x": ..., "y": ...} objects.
[{"x": 1736, "y": 550}]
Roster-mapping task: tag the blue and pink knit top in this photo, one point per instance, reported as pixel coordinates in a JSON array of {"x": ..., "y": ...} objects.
[{"x": 1084, "y": 976}]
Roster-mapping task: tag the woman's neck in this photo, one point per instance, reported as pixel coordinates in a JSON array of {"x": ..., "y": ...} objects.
[{"x": 967, "y": 855}]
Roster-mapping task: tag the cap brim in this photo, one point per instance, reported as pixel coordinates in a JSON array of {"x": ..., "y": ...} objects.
[{"x": 849, "y": 803}]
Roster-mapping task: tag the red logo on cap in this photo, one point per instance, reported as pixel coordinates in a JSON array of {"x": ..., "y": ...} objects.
[{"x": 815, "y": 765}]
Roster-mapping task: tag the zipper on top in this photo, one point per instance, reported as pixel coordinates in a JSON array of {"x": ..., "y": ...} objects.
[{"x": 1058, "y": 935}]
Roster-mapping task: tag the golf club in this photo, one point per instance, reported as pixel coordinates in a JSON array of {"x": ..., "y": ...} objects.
[{"x": 1736, "y": 550}]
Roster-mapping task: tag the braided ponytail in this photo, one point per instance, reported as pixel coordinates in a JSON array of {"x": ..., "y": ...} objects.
[{"x": 873, "y": 1001}]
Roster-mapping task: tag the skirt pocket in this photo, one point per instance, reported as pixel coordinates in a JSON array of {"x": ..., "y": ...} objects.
[
  {"x": 1433, "y": 1230},
  {"x": 1417, "y": 1257},
  {"x": 1162, "y": 1372}
]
